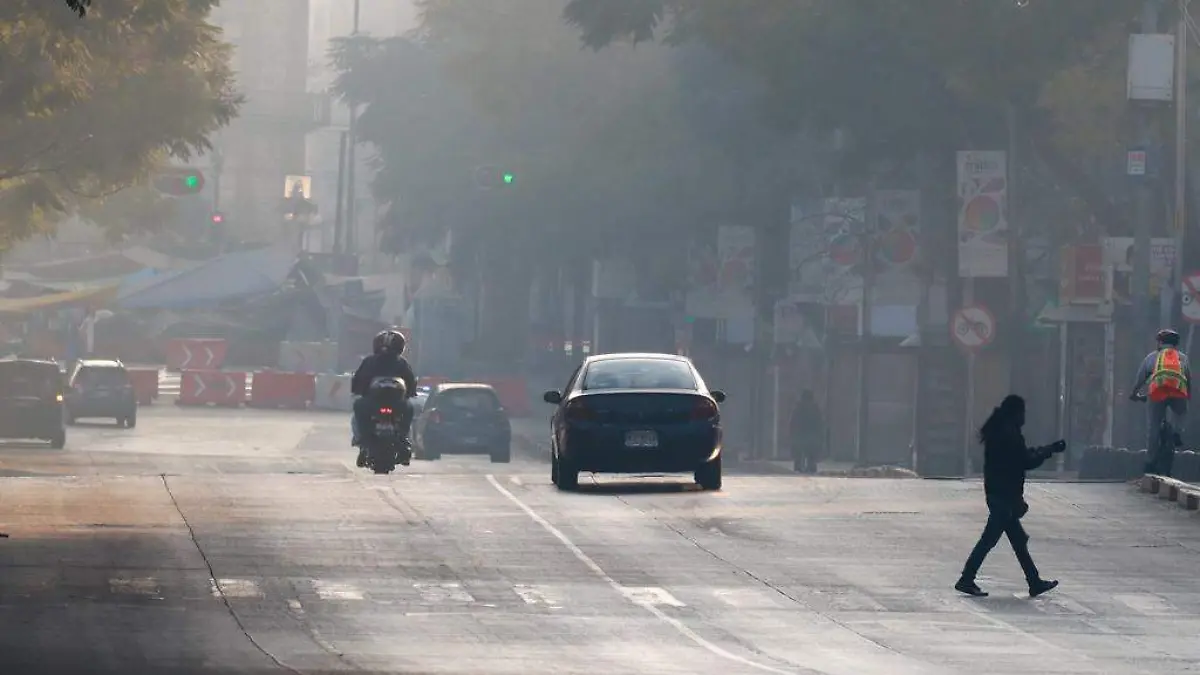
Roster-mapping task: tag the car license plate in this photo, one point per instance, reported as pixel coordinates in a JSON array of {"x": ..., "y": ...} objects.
[{"x": 641, "y": 439}]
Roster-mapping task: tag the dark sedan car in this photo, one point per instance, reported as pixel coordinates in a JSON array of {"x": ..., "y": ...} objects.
[
  {"x": 31, "y": 401},
  {"x": 463, "y": 419},
  {"x": 636, "y": 413}
]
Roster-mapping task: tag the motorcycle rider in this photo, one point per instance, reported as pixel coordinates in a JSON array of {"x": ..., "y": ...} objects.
[
  {"x": 1169, "y": 375},
  {"x": 387, "y": 360}
]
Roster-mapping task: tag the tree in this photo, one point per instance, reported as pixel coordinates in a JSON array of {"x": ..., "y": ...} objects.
[
  {"x": 89, "y": 108},
  {"x": 936, "y": 75}
]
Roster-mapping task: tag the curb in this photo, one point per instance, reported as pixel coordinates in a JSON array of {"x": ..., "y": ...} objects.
[{"x": 1186, "y": 495}]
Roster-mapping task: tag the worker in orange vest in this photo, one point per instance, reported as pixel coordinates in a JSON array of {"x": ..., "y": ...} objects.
[{"x": 1168, "y": 374}]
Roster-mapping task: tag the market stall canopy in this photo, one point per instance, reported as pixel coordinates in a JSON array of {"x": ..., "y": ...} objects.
[
  {"x": 95, "y": 268},
  {"x": 92, "y": 297},
  {"x": 230, "y": 277}
]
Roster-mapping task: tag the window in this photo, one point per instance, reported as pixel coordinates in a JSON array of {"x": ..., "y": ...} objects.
[
  {"x": 21, "y": 379},
  {"x": 478, "y": 400},
  {"x": 639, "y": 374},
  {"x": 112, "y": 377}
]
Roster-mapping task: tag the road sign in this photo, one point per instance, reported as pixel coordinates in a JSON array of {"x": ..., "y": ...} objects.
[
  {"x": 1190, "y": 298},
  {"x": 298, "y": 184},
  {"x": 973, "y": 327},
  {"x": 1135, "y": 163}
]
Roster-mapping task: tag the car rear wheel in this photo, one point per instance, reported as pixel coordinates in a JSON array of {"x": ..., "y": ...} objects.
[
  {"x": 568, "y": 475},
  {"x": 708, "y": 476},
  {"x": 59, "y": 441},
  {"x": 128, "y": 422},
  {"x": 70, "y": 419},
  {"x": 502, "y": 456}
]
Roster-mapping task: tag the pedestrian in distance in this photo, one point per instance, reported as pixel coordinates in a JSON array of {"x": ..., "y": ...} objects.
[
  {"x": 807, "y": 433},
  {"x": 1006, "y": 458}
]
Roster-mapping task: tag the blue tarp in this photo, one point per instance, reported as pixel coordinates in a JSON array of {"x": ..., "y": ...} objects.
[{"x": 230, "y": 277}]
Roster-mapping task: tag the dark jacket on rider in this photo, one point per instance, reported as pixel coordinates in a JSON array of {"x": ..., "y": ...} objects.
[{"x": 383, "y": 365}]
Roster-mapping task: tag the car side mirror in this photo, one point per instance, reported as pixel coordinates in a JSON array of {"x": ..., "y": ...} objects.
[
  {"x": 552, "y": 397},
  {"x": 718, "y": 395}
]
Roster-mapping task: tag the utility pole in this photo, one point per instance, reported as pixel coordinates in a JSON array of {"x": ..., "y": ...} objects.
[
  {"x": 1016, "y": 261},
  {"x": 1180, "y": 211},
  {"x": 351, "y": 162},
  {"x": 338, "y": 223},
  {"x": 864, "y": 353},
  {"x": 1144, "y": 115}
]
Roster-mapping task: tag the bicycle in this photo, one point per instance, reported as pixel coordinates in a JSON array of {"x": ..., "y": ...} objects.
[{"x": 1159, "y": 457}]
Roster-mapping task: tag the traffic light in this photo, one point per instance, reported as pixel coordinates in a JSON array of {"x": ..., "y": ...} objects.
[
  {"x": 217, "y": 218},
  {"x": 488, "y": 177},
  {"x": 179, "y": 182}
]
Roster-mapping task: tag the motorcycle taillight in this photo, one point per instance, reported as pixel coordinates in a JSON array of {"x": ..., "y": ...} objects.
[{"x": 385, "y": 411}]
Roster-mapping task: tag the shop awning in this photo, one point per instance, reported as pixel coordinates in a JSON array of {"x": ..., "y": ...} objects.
[{"x": 94, "y": 297}]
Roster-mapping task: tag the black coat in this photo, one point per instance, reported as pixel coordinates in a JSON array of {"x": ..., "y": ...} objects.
[
  {"x": 383, "y": 365},
  {"x": 1006, "y": 458}
]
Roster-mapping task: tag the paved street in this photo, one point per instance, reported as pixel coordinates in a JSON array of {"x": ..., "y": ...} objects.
[{"x": 244, "y": 542}]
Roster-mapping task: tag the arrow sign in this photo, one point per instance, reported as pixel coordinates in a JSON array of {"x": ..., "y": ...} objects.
[
  {"x": 210, "y": 356},
  {"x": 232, "y": 386},
  {"x": 200, "y": 387},
  {"x": 973, "y": 327}
]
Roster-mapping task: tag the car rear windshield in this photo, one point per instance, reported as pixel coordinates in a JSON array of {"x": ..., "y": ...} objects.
[
  {"x": 90, "y": 376},
  {"x": 639, "y": 374},
  {"x": 23, "y": 378},
  {"x": 483, "y": 400}
]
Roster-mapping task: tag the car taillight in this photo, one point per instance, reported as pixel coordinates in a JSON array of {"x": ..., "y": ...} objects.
[
  {"x": 704, "y": 410},
  {"x": 578, "y": 410},
  {"x": 385, "y": 411}
]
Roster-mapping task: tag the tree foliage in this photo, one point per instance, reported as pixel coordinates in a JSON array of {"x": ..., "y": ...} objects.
[
  {"x": 907, "y": 76},
  {"x": 89, "y": 107}
]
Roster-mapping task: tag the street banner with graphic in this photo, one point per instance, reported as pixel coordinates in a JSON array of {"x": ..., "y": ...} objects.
[{"x": 982, "y": 213}]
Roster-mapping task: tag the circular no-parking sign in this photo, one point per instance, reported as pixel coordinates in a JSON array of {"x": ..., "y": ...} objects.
[
  {"x": 973, "y": 327},
  {"x": 1190, "y": 298}
]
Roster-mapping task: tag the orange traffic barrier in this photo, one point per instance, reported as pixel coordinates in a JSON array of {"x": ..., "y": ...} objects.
[
  {"x": 196, "y": 353},
  {"x": 145, "y": 384},
  {"x": 211, "y": 387},
  {"x": 273, "y": 389}
]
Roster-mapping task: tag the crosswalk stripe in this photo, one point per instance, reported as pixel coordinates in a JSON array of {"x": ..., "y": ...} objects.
[
  {"x": 651, "y": 595},
  {"x": 1145, "y": 603},
  {"x": 747, "y": 598},
  {"x": 235, "y": 588},
  {"x": 332, "y": 590},
  {"x": 144, "y": 586},
  {"x": 443, "y": 592},
  {"x": 533, "y": 595}
]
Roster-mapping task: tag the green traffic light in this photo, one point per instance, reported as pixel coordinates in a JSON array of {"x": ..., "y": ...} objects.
[
  {"x": 508, "y": 178},
  {"x": 192, "y": 180}
]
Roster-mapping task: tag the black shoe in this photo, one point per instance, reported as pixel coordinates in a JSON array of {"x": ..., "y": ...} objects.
[
  {"x": 1040, "y": 586},
  {"x": 970, "y": 588},
  {"x": 362, "y": 459}
]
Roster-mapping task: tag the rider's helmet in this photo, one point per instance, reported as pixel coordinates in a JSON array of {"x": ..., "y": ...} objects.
[
  {"x": 390, "y": 341},
  {"x": 1168, "y": 337}
]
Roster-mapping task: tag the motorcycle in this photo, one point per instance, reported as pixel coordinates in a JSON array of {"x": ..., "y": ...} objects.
[{"x": 387, "y": 438}]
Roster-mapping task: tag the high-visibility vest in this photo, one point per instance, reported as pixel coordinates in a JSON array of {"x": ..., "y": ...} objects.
[{"x": 1167, "y": 380}]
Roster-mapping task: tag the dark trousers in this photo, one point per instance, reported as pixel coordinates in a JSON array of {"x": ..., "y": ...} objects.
[
  {"x": 1004, "y": 518},
  {"x": 1162, "y": 457}
]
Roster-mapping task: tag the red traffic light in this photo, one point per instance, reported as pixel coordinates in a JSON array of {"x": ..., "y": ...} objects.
[
  {"x": 179, "y": 182},
  {"x": 218, "y": 218}
]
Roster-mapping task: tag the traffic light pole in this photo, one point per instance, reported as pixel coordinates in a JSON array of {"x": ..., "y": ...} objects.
[
  {"x": 351, "y": 224},
  {"x": 338, "y": 223}
]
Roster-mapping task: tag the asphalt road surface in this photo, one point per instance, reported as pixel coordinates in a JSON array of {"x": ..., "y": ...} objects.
[{"x": 244, "y": 542}]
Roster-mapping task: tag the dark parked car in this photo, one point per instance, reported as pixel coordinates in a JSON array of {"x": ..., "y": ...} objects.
[
  {"x": 463, "y": 419},
  {"x": 636, "y": 413},
  {"x": 31, "y": 401},
  {"x": 102, "y": 388}
]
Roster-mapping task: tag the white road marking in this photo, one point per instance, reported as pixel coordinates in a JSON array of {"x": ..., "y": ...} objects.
[
  {"x": 534, "y": 595},
  {"x": 650, "y": 595},
  {"x": 582, "y": 557},
  {"x": 746, "y": 598},
  {"x": 295, "y": 606},
  {"x": 332, "y": 590},
  {"x": 1145, "y": 603},
  {"x": 443, "y": 592},
  {"x": 234, "y": 588},
  {"x": 145, "y": 586}
]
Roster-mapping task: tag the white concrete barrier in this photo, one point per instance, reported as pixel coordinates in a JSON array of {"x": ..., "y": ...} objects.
[
  {"x": 308, "y": 357},
  {"x": 333, "y": 392}
]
